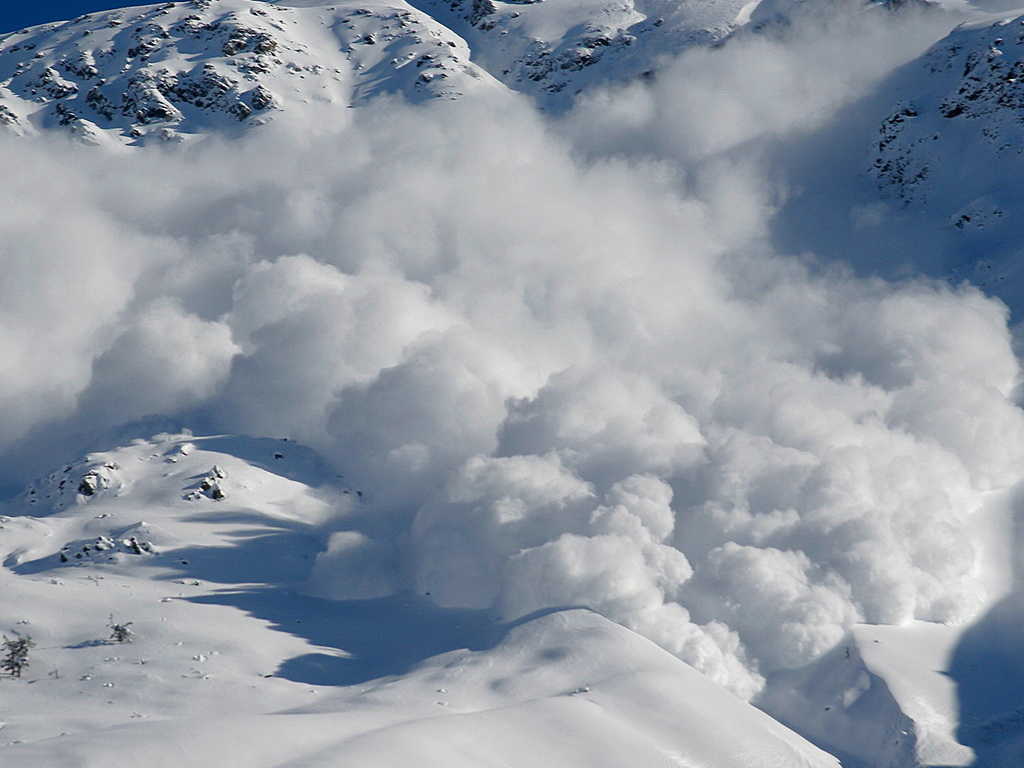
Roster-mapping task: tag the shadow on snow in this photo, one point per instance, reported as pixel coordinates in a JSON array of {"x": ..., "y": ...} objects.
[{"x": 988, "y": 668}]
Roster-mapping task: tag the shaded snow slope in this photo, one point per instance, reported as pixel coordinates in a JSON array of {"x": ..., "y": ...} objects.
[
  {"x": 988, "y": 669},
  {"x": 950, "y": 148},
  {"x": 916, "y": 695},
  {"x": 202, "y": 543},
  {"x": 961, "y": 106},
  {"x": 923, "y": 175}
]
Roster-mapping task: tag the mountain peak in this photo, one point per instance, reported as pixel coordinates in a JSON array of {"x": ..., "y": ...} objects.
[{"x": 175, "y": 71}]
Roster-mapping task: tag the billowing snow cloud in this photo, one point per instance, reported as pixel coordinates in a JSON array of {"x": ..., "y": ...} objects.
[{"x": 559, "y": 375}]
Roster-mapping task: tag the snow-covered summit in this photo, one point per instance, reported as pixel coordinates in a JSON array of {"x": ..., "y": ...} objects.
[
  {"x": 160, "y": 491},
  {"x": 175, "y": 70}
]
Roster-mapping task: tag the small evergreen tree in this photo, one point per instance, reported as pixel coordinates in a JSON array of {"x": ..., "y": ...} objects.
[
  {"x": 16, "y": 654},
  {"x": 119, "y": 633}
]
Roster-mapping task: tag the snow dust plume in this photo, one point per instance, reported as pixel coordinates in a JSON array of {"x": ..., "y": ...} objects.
[{"x": 557, "y": 381}]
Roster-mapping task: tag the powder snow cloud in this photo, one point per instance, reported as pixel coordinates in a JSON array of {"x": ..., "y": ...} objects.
[{"x": 562, "y": 374}]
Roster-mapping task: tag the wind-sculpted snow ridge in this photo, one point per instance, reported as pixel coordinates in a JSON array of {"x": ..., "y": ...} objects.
[
  {"x": 883, "y": 697},
  {"x": 176, "y": 70}
]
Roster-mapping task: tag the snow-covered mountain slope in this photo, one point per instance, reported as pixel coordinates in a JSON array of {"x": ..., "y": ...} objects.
[
  {"x": 180, "y": 69},
  {"x": 555, "y": 50},
  {"x": 949, "y": 150},
  {"x": 923, "y": 174},
  {"x": 961, "y": 116},
  {"x": 201, "y": 546},
  {"x": 882, "y": 697},
  {"x": 174, "y": 70}
]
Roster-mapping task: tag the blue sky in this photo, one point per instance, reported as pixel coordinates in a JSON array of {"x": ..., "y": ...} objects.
[{"x": 22, "y": 13}]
